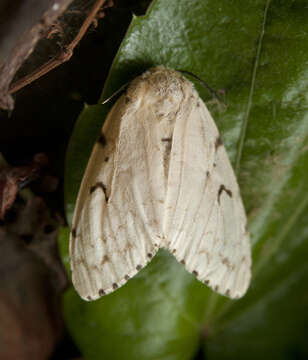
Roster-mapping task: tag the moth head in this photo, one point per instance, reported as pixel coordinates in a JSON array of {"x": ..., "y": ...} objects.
[{"x": 161, "y": 88}]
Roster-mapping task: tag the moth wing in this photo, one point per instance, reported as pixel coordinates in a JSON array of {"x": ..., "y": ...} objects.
[
  {"x": 205, "y": 221},
  {"x": 117, "y": 221}
]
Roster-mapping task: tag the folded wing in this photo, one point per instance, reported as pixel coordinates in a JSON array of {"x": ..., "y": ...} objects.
[
  {"x": 205, "y": 222},
  {"x": 117, "y": 222}
]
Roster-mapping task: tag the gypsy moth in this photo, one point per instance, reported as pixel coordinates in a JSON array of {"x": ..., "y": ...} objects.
[{"x": 159, "y": 176}]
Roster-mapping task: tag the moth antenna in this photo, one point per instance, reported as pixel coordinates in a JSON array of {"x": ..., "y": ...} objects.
[
  {"x": 122, "y": 88},
  {"x": 203, "y": 83}
]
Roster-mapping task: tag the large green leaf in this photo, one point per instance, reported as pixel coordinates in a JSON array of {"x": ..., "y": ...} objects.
[{"x": 256, "y": 53}]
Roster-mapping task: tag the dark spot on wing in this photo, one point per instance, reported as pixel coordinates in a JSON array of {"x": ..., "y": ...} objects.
[
  {"x": 183, "y": 261},
  {"x": 173, "y": 251},
  {"x": 227, "y": 191},
  {"x": 228, "y": 292},
  {"x": 127, "y": 99},
  {"x": 150, "y": 255},
  {"x": 207, "y": 174},
  {"x": 126, "y": 277},
  {"x": 102, "y": 140},
  {"x": 138, "y": 267},
  {"x": 101, "y": 292},
  {"x": 214, "y": 165},
  {"x": 195, "y": 273},
  {"x": 168, "y": 139},
  {"x": 226, "y": 262},
  {"x": 115, "y": 286},
  {"x": 74, "y": 232},
  {"x": 216, "y": 288},
  {"x": 79, "y": 261},
  {"x": 106, "y": 158},
  {"x": 206, "y": 282},
  {"x": 89, "y": 298},
  {"x": 105, "y": 259},
  {"x": 99, "y": 185},
  {"x": 218, "y": 143}
]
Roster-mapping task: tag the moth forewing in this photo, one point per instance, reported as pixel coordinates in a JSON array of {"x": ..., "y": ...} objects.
[{"x": 159, "y": 176}]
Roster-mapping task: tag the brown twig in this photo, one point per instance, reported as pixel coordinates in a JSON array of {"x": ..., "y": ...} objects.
[{"x": 61, "y": 58}]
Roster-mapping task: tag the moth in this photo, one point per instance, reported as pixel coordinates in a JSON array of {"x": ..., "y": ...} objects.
[{"x": 159, "y": 177}]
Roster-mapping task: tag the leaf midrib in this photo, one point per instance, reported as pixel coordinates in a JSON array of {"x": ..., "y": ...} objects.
[
  {"x": 251, "y": 92},
  {"x": 214, "y": 297}
]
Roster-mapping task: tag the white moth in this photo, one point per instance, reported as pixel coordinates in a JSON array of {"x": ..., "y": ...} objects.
[{"x": 159, "y": 177}]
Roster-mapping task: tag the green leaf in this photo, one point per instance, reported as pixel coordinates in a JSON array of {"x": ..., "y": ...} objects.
[{"x": 255, "y": 52}]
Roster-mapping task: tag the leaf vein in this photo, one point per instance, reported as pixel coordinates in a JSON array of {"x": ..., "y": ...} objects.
[{"x": 251, "y": 92}]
